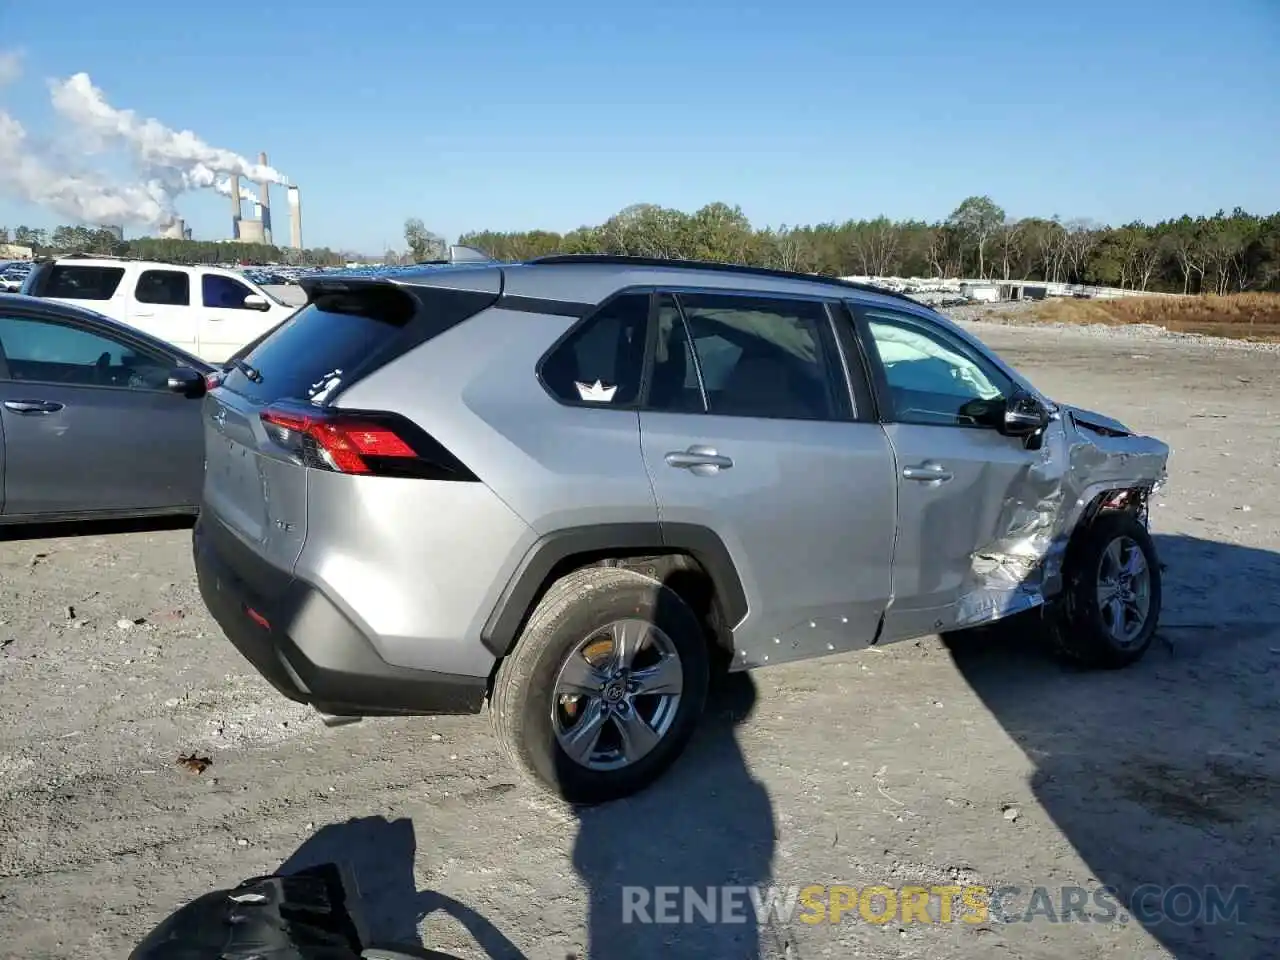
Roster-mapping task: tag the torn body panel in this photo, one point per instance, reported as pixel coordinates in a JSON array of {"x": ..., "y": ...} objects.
[{"x": 1082, "y": 456}]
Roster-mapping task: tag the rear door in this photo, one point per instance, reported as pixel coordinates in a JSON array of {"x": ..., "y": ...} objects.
[
  {"x": 89, "y": 424},
  {"x": 252, "y": 485},
  {"x": 749, "y": 429},
  {"x": 160, "y": 304},
  {"x": 225, "y": 323}
]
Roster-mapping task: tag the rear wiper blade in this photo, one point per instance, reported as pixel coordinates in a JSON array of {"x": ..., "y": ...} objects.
[{"x": 250, "y": 372}]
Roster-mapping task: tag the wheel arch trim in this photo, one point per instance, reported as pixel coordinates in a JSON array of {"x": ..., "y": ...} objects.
[{"x": 552, "y": 550}]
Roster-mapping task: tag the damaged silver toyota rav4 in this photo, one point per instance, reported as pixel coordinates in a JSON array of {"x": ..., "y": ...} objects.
[{"x": 569, "y": 488}]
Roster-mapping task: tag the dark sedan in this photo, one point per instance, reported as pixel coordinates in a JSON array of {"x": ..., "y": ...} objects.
[{"x": 99, "y": 420}]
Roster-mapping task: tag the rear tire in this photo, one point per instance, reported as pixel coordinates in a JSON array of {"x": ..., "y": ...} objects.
[
  {"x": 1108, "y": 617},
  {"x": 580, "y": 621}
]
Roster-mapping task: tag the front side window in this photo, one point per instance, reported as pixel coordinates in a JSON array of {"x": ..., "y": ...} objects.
[
  {"x": 223, "y": 292},
  {"x": 934, "y": 378},
  {"x": 39, "y": 351},
  {"x": 601, "y": 362},
  {"x": 756, "y": 357},
  {"x": 170, "y": 288}
]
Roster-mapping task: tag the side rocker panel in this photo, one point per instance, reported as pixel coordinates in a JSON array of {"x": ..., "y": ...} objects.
[{"x": 502, "y": 628}]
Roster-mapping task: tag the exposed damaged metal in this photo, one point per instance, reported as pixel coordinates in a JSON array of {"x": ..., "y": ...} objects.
[{"x": 1087, "y": 462}]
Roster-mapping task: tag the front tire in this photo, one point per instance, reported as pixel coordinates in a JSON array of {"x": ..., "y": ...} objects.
[
  {"x": 604, "y": 688},
  {"x": 1111, "y": 602}
]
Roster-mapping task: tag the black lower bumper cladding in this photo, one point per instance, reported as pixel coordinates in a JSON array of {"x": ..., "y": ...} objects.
[{"x": 306, "y": 647}]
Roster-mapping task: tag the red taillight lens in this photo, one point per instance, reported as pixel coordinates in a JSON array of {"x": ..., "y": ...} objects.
[
  {"x": 360, "y": 443},
  {"x": 212, "y": 381}
]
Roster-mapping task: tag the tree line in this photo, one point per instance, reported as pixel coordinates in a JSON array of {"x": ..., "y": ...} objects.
[
  {"x": 1221, "y": 254},
  {"x": 81, "y": 239}
]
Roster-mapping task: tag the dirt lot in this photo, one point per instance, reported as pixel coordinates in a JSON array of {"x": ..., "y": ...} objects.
[{"x": 979, "y": 762}]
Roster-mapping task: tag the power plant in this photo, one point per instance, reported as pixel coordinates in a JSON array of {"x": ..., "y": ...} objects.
[{"x": 257, "y": 229}]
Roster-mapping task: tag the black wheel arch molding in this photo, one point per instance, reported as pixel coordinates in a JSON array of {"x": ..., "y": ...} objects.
[{"x": 560, "y": 551}]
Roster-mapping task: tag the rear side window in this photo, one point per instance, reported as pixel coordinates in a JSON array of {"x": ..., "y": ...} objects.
[
  {"x": 308, "y": 355},
  {"x": 170, "y": 288},
  {"x": 73, "y": 282},
  {"x": 600, "y": 363}
]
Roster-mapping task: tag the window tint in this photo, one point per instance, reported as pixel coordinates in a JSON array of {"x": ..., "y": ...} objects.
[
  {"x": 81, "y": 283},
  {"x": 759, "y": 357},
  {"x": 225, "y": 292},
  {"x": 306, "y": 356},
  {"x": 935, "y": 378},
  {"x": 602, "y": 360},
  {"x": 40, "y": 351},
  {"x": 164, "y": 287}
]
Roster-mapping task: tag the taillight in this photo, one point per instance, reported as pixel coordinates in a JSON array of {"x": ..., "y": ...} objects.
[
  {"x": 212, "y": 381},
  {"x": 374, "y": 444}
]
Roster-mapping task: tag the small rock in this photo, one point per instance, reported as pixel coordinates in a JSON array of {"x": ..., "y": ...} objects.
[
  {"x": 1011, "y": 813},
  {"x": 310, "y": 826},
  {"x": 1245, "y": 508},
  {"x": 436, "y": 737},
  {"x": 71, "y": 612},
  {"x": 124, "y": 624},
  {"x": 172, "y": 702},
  {"x": 937, "y": 703},
  {"x": 242, "y": 842},
  {"x": 453, "y": 756}
]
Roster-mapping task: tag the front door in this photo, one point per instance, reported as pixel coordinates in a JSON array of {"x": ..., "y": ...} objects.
[
  {"x": 748, "y": 430},
  {"x": 967, "y": 495},
  {"x": 160, "y": 304},
  {"x": 89, "y": 426},
  {"x": 226, "y": 323}
]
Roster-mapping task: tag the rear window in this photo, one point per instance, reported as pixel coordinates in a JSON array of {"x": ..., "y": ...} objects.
[
  {"x": 308, "y": 355},
  {"x": 73, "y": 282}
]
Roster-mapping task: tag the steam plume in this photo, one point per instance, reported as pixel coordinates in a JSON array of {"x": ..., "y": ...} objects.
[
  {"x": 82, "y": 196},
  {"x": 170, "y": 162},
  {"x": 182, "y": 155}
]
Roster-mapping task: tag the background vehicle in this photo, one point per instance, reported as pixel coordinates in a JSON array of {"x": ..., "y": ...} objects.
[
  {"x": 99, "y": 420},
  {"x": 209, "y": 312},
  {"x": 572, "y": 486}
]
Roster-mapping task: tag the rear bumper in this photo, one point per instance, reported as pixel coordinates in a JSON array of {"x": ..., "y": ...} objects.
[{"x": 305, "y": 646}]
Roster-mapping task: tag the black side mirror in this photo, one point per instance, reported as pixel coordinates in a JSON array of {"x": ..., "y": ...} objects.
[
  {"x": 187, "y": 382},
  {"x": 1024, "y": 416}
]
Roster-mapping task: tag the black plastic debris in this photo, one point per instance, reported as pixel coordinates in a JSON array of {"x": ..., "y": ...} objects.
[{"x": 301, "y": 916}]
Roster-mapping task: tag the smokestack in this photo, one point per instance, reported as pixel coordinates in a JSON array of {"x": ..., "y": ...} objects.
[
  {"x": 265, "y": 200},
  {"x": 295, "y": 219},
  {"x": 235, "y": 207}
]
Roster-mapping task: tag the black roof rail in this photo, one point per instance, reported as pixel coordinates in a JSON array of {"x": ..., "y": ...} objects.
[{"x": 715, "y": 265}]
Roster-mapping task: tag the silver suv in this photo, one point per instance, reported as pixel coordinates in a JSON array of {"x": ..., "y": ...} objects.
[{"x": 576, "y": 486}]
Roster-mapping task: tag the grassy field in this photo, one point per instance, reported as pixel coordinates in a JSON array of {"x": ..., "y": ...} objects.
[{"x": 1245, "y": 316}]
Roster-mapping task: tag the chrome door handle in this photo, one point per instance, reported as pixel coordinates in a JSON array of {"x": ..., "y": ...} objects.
[
  {"x": 698, "y": 459},
  {"x": 928, "y": 472},
  {"x": 33, "y": 406}
]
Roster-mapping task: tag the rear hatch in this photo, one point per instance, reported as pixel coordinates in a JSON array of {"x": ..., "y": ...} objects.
[{"x": 268, "y": 420}]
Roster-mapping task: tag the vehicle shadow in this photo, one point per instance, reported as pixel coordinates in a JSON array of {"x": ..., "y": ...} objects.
[
  {"x": 378, "y": 855},
  {"x": 1133, "y": 766},
  {"x": 18, "y": 532},
  {"x": 703, "y": 829}
]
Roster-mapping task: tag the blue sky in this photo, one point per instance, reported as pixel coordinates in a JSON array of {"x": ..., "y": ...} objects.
[{"x": 508, "y": 115}]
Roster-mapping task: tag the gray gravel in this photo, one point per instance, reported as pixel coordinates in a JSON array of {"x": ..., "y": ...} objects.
[{"x": 979, "y": 762}]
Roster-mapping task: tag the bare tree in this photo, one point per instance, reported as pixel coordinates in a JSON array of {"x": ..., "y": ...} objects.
[{"x": 977, "y": 219}]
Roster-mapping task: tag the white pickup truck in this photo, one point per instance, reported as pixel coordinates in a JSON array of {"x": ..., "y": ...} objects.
[{"x": 208, "y": 311}]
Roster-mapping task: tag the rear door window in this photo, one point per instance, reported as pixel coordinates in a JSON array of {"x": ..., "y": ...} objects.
[
  {"x": 74, "y": 282},
  {"x": 308, "y": 355},
  {"x": 171, "y": 288}
]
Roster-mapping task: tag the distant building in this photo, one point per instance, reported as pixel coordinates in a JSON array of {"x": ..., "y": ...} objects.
[
  {"x": 115, "y": 231},
  {"x": 13, "y": 251}
]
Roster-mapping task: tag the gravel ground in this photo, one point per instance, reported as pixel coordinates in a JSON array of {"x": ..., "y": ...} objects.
[{"x": 978, "y": 761}]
